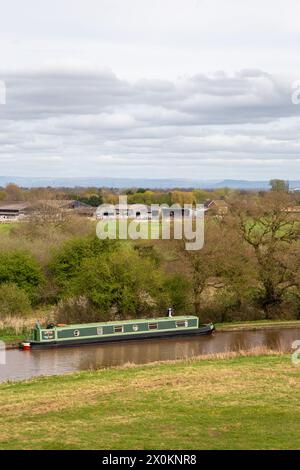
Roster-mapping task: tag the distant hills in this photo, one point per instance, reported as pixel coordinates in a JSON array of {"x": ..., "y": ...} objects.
[{"x": 150, "y": 183}]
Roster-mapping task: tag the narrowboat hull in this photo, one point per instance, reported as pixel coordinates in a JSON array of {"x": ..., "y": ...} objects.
[{"x": 202, "y": 330}]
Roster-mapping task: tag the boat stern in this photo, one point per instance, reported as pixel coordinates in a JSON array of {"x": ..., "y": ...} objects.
[{"x": 25, "y": 345}]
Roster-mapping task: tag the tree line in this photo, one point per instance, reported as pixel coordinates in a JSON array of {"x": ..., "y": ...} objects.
[{"x": 248, "y": 268}]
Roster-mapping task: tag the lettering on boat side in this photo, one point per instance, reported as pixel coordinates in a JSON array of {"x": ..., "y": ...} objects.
[
  {"x": 150, "y": 459},
  {"x": 48, "y": 334}
]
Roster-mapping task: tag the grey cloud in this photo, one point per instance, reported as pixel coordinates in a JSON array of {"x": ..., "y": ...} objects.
[{"x": 66, "y": 116}]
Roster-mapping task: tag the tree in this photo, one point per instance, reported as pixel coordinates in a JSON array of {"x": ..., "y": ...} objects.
[
  {"x": 178, "y": 288},
  {"x": 272, "y": 232},
  {"x": 218, "y": 265},
  {"x": 182, "y": 197},
  {"x": 93, "y": 200},
  {"x": 14, "y": 192},
  {"x": 279, "y": 185},
  {"x": 121, "y": 284},
  {"x": 21, "y": 269},
  {"x": 13, "y": 300},
  {"x": 68, "y": 259},
  {"x": 200, "y": 195}
]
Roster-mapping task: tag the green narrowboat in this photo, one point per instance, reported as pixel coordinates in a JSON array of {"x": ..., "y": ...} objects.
[{"x": 113, "y": 331}]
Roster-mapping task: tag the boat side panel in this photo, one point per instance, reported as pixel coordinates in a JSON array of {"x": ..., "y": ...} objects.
[{"x": 92, "y": 331}]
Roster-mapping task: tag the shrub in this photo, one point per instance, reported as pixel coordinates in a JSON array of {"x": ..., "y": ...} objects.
[
  {"x": 21, "y": 269},
  {"x": 121, "y": 283},
  {"x": 76, "y": 310},
  {"x": 13, "y": 300},
  {"x": 66, "y": 262},
  {"x": 178, "y": 288}
]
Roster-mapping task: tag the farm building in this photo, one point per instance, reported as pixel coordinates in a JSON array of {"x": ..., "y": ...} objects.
[
  {"x": 130, "y": 211},
  {"x": 10, "y": 211},
  {"x": 63, "y": 205},
  {"x": 13, "y": 211}
]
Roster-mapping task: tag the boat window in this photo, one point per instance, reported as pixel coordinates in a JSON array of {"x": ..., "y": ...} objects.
[
  {"x": 118, "y": 329},
  {"x": 135, "y": 328},
  {"x": 181, "y": 324},
  {"x": 152, "y": 326},
  {"x": 99, "y": 330}
]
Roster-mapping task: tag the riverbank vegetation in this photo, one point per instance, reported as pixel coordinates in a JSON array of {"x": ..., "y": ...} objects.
[
  {"x": 230, "y": 402},
  {"x": 248, "y": 269}
]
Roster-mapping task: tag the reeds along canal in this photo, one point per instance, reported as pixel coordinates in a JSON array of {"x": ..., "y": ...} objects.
[{"x": 22, "y": 365}]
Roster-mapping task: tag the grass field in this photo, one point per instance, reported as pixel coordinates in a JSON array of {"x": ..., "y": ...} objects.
[
  {"x": 6, "y": 228},
  {"x": 237, "y": 403}
]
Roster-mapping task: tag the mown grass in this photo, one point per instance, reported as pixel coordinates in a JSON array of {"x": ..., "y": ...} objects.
[{"x": 237, "y": 403}]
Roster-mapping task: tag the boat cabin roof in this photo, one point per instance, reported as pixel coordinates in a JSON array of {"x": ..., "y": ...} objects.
[{"x": 134, "y": 321}]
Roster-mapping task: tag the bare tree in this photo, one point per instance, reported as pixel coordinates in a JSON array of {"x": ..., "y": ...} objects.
[{"x": 272, "y": 231}]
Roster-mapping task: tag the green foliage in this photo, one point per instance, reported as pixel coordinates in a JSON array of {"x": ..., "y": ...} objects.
[
  {"x": 121, "y": 283},
  {"x": 76, "y": 310},
  {"x": 93, "y": 200},
  {"x": 201, "y": 195},
  {"x": 279, "y": 185},
  {"x": 148, "y": 197},
  {"x": 149, "y": 252},
  {"x": 13, "y": 300},
  {"x": 178, "y": 288},
  {"x": 21, "y": 269},
  {"x": 67, "y": 260}
]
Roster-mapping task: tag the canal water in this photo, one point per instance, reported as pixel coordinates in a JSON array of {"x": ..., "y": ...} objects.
[{"x": 22, "y": 365}]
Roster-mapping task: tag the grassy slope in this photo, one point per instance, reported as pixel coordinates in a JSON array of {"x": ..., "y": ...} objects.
[{"x": 245, "y": 402}]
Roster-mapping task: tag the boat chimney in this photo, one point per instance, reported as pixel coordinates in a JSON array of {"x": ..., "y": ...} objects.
[{"x": 170, "y": 312}]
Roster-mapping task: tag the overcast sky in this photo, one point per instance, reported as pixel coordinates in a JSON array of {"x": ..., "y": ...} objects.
[{"x": 150, "y": 88}]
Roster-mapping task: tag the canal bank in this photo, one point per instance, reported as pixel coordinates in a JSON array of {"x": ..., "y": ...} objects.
[
  {"x": 257, "y": 324},
  {"x": 231, "y": 403}
]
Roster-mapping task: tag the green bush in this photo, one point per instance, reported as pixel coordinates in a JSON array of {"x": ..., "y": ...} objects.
[
  {"x": 67, "y": 260},
  {"x": 122, "y": 284},
  {"x": 179, "y": 292},
  {"x": 77, "y": 310},
  {"x": 13, "y": 300},
  {"x": 22, "y": 269}
]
